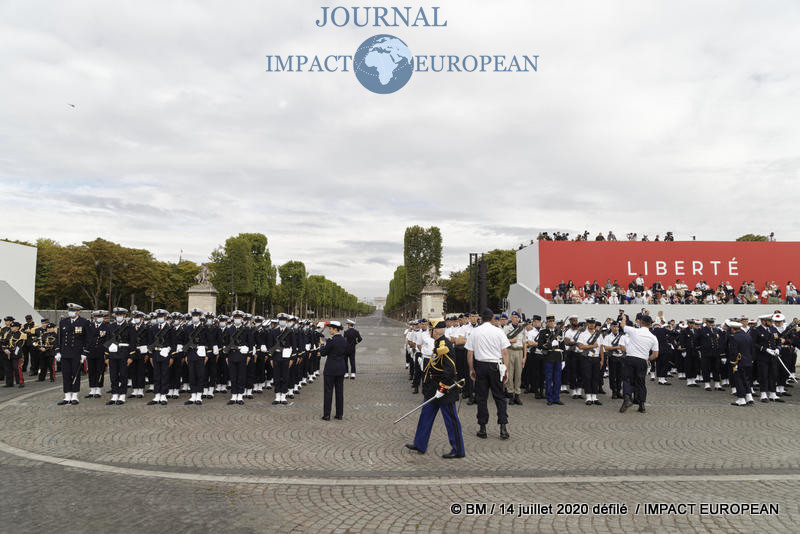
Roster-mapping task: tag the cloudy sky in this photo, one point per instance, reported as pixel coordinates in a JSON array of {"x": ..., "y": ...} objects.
[{"x": 644, "y": 116}]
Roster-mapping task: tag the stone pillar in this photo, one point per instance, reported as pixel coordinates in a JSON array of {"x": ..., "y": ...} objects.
[
  {"x": 432, "y": 300},
  {"x": 203, "y": 297}
]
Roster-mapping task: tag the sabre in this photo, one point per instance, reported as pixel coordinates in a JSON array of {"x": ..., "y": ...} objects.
[
  {"x": 459, "y": 383},
  {"x": 792, "y": 376}
]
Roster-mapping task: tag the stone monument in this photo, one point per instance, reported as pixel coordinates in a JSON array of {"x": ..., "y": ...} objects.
[
  {"x": 432, "y": 296},
  {"x": 203, "y": 295}
]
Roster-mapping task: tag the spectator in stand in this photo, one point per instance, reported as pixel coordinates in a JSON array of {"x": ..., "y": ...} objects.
[
  {"x": 791, "y": 293},
  {"x": 600, "y": 237},
  {"x": 611, "y": 236},
  {"x": 639, "y": 283},
  {"x": 771, "y": 236}
]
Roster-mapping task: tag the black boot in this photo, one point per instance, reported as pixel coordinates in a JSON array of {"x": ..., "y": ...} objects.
[
  {"x": 641, "y": 407},
  {"x": 504, "y": 433},
  {"x": 482, "y": 432},
  {"x": 415, "y": 390},
  {"x": 517, "y": 400},
  {"x": 626, "y": 403},
  {"x": 471, "y": 401}
]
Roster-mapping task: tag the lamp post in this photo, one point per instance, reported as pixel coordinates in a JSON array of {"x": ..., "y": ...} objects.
[{"x": 152, "y": 296}]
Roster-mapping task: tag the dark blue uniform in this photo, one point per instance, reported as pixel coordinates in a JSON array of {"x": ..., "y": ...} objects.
[
  {"x": 162, "y": 336},
  {"x": 441, "y": 370},
  {"x": 739, "y": 350},
  {"x": 335, "y": 367},
  {"x": 281, "y": 356},
  {"x": 121, "y": 335},
  {"x": 353, "y": 338},
  {"x": 73, "y": 334},
  {"x": 194, "y": 339},
  {"x": 235, "y": 337}
]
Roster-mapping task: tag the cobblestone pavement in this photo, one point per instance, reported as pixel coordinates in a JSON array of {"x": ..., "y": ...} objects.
[{"x": 260, "y": 468}]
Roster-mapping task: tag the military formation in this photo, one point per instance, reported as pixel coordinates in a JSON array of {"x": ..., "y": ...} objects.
[
  {"x": 170, "y": 354},
  {"x": 753, "y": 359}
]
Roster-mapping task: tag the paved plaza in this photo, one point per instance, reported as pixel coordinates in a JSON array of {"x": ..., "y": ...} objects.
[{"x": 264, "y": 468}]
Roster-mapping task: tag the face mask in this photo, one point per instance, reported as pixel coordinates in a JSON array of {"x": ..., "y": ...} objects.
[
  {"x": 160, "y": 320},
  {"x": 237, "y": 322},
  {"x": 282, "y": 324},
  {"x": 223, "y": 324},
  {"x": 71, "y": 314},
  {"x": 195, "y": 320},
  {"x": 98, "y": 320},
  {"x": 136, "y": 320},
  {"x": 119, "y": 318}
]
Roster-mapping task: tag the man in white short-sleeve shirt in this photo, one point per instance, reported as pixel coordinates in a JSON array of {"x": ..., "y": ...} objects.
[
  {"x": 640, "y": 349},
  {"x": 487, "y": 357}
]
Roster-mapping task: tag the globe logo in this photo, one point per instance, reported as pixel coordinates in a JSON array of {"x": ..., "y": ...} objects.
[{"x": 383, "y": 64}]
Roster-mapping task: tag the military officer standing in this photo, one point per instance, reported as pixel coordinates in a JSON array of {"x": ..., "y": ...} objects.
[
  {"x": 14, "y": 344},
  {"x": 119, "y": 340},
  {"x": 439, "y": 383},
  {"x": 336, "y": 349},
  {"x": 353, "y": 338},
  {"x": 162, "y": 343},
  {"x": 281, "y": 357},
  {"x": 95, "y": 353},
  {"x": 45, "y": 345},
  {"x": 194, "y": 339},
  {"x": 238, "y": 340},
  {"x": 73, "y": 332},
  {"x": 487, "y": 358},
  {"x": 516, "y": 356},
  {"x": 140, "y": 338},
  {"x": 740, "y": 355},
  {"x": 29, "y": 355}
]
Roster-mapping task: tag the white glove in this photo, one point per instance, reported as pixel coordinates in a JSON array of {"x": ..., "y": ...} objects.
[
  {"x": 243, "y": 349},
  {"x": 179, "y": 348},
  {"x": 58, "y": 356},
  {"x": 503, "y": 369},
  {"x": 419, "y": 361},
  {"x": 164, "y": 352},
  {"x": 113, "y": 347},
  {"x": 142, "y": 349},
  {"x": 263, "y": 348},
  {"x": 554, "y": 344},
  {"x": 438, "y": 395},
  {"x": 774, "y": 352},
  {"x": 215, "y": 349},
  {"x": 83, "y": 358},
  {"x": 724, "y": 360},
  {"x": 563, "y": 364},
  {"x": 201, "y": 351}
]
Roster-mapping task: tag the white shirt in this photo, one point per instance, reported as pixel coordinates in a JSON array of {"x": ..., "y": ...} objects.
[
  {"x": 487, "y": 343},
  {"x": 530, "y": 335},
  {"x": 608, "y": 341},
  {"x": 570, "y": 334},
  {"x": 584, "y": 338},
  {"x": 426, "y": 342},
  {"x": 640, "y": 342}
]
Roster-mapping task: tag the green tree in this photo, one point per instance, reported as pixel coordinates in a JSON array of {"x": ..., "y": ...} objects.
[
  {"x": 457, "y": 287},
  {"x": 752, "y": 237},
  {"x": 293, "y": 282},
  {"x": 501, "y": 272}
]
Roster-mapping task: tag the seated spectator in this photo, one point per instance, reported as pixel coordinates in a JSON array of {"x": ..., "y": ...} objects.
[{"x": 791, "y": 293}]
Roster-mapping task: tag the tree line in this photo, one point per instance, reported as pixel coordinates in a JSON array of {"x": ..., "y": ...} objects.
[{"x": 102, "y": 274}]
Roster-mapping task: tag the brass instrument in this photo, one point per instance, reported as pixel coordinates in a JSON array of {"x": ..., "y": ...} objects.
[{"x": 736, "y": 362}]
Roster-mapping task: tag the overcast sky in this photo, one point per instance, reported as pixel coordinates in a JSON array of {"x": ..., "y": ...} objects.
[{"x": 644, "y": 116}]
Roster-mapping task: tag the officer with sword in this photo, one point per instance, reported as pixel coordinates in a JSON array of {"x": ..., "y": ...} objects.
[{"x": 441, "y": 391}]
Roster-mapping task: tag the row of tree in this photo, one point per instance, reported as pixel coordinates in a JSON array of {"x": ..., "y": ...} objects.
[
  {"x": 422, "y": 255},
  {"x": 101, "y": 274}
]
